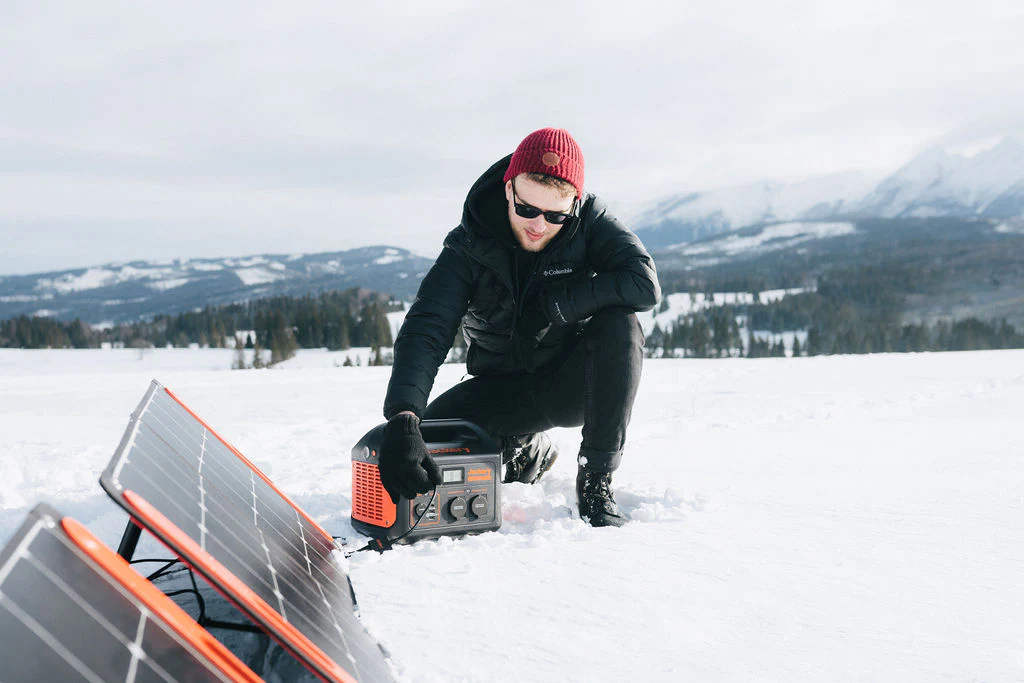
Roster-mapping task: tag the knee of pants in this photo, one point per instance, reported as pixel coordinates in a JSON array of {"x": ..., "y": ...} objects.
[{"x": 615, "y": 325}]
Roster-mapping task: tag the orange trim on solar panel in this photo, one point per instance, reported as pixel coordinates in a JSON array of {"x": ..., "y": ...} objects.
[
  {"x": 251, "y": 466},
  {"x": 289, "y": 636},
  {"x": 161, "y": 605}
]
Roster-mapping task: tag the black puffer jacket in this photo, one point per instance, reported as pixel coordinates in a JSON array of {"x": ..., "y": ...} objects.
[{"x": 592, "y": 263}]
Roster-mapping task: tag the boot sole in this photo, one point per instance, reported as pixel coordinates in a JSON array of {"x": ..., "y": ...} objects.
[{"x": 545, "y": 467}]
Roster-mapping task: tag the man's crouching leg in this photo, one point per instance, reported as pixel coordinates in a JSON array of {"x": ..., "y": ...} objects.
[
  {"x": 613, "y": 346},
  {"x": 527, "y": 457}
]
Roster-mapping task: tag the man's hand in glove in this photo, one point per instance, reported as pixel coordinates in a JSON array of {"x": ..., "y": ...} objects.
[
  {"x": 532, "y": 326},
  {"x": 405, "y": 466}
]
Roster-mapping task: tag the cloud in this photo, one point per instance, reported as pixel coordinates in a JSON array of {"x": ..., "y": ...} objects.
[{"x": 233, "y": 128}]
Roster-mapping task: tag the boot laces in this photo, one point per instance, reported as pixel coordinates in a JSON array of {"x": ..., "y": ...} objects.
[{"x": 599, "y": 485}]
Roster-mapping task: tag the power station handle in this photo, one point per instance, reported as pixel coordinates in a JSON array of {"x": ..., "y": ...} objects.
[{"x": 451, "y": 431}]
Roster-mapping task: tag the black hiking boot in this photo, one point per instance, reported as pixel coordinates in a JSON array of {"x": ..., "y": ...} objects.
[
  {"x": 596, "y": 502},
  {"x": 527, "y": 457}
]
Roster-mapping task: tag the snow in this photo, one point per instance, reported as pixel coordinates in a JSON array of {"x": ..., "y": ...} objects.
[
  {"x": 105, "y": 276},
  {"x": 205, "y": 267},
  {"x": 683, "y": 304},
  {"x": 165, "y": 285},
  {"x": 396, "y": 318},
  {"x": 848, "y": 518},
  {"x": 258, "y": 275},
  {"x": 390, "y": 256},
  {"x": 1011, "y": 228},
  {"x": 90, "y": 279},
  {"x": 971, "y": 174},
  {"x": 744, "y": 205},
  {"x": 972, "y": 148},
  {"x": 779, "y": 236},
  {"x": 247, "y": 262}
]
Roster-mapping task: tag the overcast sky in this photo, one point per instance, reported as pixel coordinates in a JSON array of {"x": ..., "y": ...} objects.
[{"x": 172, "y": 130}]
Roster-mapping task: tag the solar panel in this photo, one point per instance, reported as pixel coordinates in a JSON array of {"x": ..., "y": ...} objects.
[
  {"x": 210, "y": 505},
  {"x": 72, "y": 610}
]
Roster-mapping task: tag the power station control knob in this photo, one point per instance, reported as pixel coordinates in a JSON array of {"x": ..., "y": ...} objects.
[
  {"x": 480, "y": 506},
  {"x": 457, "y": 507},
  {"x": 420, "y": 509}
]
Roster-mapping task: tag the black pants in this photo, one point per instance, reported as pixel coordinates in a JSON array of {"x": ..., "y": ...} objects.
[{"x": 593, "y": 385}]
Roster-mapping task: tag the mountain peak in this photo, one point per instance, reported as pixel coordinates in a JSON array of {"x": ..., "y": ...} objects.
[
  {"x": 960, "y": 179},
  {"x": 992, "y": 144}
]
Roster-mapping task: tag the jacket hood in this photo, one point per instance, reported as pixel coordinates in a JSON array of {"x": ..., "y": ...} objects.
[{"x": 486, "y": 209}]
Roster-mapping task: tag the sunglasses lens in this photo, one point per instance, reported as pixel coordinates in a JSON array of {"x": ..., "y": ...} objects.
[
  {"x": 555, "y": 218},
  {"x": 527, "y": 211}
]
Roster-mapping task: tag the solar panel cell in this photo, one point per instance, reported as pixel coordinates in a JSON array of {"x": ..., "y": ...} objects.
[
  {"x": 81, "y": 622},
  {"x": 205, "y": 500},
  {"x": 27, "y": 654},
  {"x": 72, "y": 610}
]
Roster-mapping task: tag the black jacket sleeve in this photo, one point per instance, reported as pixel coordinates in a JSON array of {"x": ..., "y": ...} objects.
[
  {"x": 429, "y": 329},
  {"x": 625, "y": 273}
]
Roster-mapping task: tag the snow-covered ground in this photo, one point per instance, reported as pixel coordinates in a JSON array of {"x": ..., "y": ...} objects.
[
  {"x": 852, "y": 518},
  {"x": 681, "y": 303}
]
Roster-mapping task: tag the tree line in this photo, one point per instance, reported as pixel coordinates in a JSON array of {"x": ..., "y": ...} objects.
[
  {"x": 854, "y": 310},
  {"x": 336, "y": 320}
]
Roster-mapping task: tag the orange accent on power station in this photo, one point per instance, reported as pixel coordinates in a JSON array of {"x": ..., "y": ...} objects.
[
  {"x": 479, "y": 475},
  {"x": 370, "y": 502},
  {"x": 237, "y": 592},
  {"x": 161, "y": 605},
  {"x": 255, "y": 469}
]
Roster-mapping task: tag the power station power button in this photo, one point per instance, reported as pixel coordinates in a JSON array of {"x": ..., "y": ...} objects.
[
  {"x": 480, "y": 506},
  {"x": 457, "y": 507}
]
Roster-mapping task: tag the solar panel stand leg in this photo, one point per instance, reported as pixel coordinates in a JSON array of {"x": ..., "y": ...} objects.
[{"x": 129, "y": 540}]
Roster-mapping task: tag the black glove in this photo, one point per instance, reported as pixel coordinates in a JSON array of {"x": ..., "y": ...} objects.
[
  {"x": 533, "y": 325},
  {"x": 405, "y": 466}
]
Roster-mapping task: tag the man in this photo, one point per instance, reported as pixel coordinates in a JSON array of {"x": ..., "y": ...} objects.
[{"x": 546, "y": 284}]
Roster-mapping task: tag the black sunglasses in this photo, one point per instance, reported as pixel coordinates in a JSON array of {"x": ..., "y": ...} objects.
[{"x": 528, "y": 211}]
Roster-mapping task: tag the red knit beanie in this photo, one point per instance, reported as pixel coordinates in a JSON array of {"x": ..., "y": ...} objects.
[{"x": 550, "y": 151}]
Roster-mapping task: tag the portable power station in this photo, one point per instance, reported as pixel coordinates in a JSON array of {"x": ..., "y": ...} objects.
[{"x": 468, "y": 499}]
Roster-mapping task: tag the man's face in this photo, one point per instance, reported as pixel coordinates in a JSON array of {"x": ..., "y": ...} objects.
[{"x": 533, "y": 234}]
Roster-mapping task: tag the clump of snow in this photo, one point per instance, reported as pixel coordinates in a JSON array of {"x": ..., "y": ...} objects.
[
  {"x": 390, "y": 256},
  {"x": 1011, "y": 228},
  {"x": 165, "y": 285},
  {"x": 258, "y": 276},
  {"x": 206, "y": 266}
]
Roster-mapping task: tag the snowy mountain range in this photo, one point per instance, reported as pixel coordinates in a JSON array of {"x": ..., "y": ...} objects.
[
  {"x": 980, "y": 185},
  {"x": 980, "y": 179},
  {"x": 128, "y": 291}
]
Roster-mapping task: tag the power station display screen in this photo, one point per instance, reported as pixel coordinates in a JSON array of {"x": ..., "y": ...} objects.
[{"x": 452, "y": 476}]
